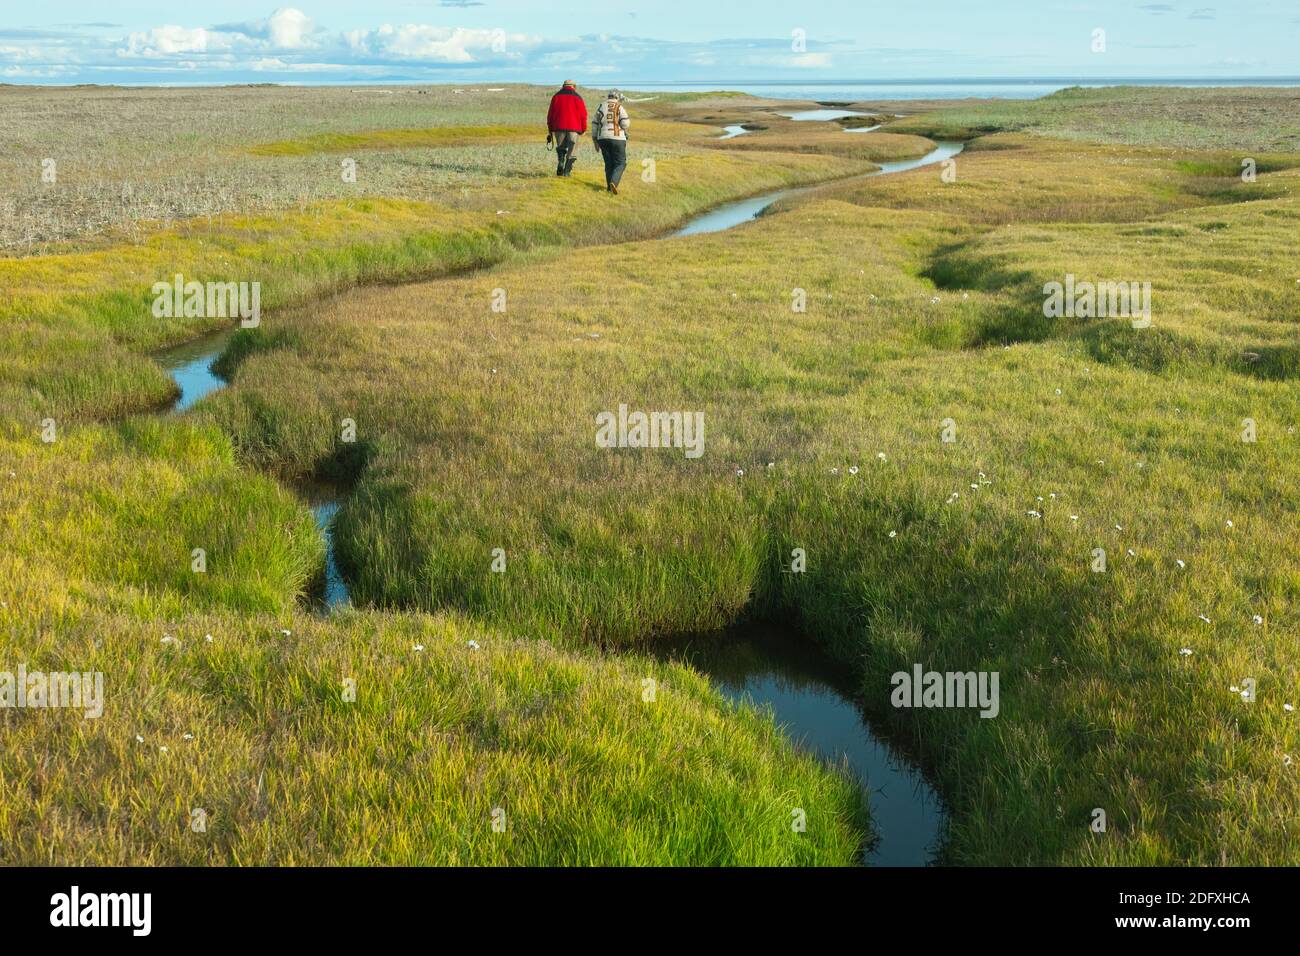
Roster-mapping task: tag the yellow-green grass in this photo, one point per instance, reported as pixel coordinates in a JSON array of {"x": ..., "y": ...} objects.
[
  {"x": 80, "y": 319},
  {"x": 1063, "y": 183},
  {"x": 1241, "y": 119},
  {"x": 97, "y": 546},
  {"x": 254, "y": 730},
  {"x": 394, "y": 139},
  {"x": 97, "y": 575},
  {"x": 828, "y": 139},
  {"x": 142, "y": 159},
  {"x": 478, "y": 432}
]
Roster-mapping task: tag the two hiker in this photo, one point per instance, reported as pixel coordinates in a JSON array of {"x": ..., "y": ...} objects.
[{"x": 567, "y": 122}]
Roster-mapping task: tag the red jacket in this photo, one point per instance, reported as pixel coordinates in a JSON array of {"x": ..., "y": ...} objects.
[{"x": 568, "y": 113}]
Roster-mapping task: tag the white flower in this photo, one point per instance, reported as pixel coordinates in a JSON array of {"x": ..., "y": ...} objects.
[
  {"x": 1074, "y": 517},
  {"x": 1181, "y": 562},
  {"x": 1131, "y": 553},
  {"x": 139, "y": 739},
  {"x": 1258, "y": 619},
  {"x": 187, "y": 737},
  {"x": 168, "y": 639},
  {"x": 853, "y": 469},
  {"x": 208, "y": 638},
  {"x": 1185, "y": 651},
  {"x": 893, "y": 534},
  {"x": 162, "y": 750},
  {"x": 1286, "y": 760},
  {"x": 1235, "y": 689},
  {"x": 285, "y": 631},
  {"x": 1229, "y": 522},
  {"x": 1052, "y": 495},
  {"x": 740, "y": 472},
  {"x": 1288, "y": 708},
  {"x": 1203, "y": 618},
  {"x": 1058, "y": 391},
  {"x": 473, "y": 645},
  {"x": 974, "y": 487},
  {"x": 1033, "y": 514},
  {"x": 771, "y": 464},
  {"x": 1119, "y": 527},
  {"x": 419, "y": 647}
]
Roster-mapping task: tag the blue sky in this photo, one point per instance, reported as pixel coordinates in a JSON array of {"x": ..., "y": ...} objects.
[{"x": 599, "y": 41}]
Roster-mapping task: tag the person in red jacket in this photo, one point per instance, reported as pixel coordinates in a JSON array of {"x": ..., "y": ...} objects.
[{"x": 567, "y": 121}]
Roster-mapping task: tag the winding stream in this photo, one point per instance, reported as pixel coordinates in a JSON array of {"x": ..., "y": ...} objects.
[
  {"x": 757, "y": 665},
  {"x": 734, "y": 213}
]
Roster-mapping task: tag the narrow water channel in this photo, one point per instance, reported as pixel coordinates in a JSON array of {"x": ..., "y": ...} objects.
[
  {"x": 766, "y": 666},
  {"x": 745, "y": 210},
  {"x": 190, "y": 366}
]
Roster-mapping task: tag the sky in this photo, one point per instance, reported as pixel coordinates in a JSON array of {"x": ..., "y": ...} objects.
[{"x": 600, "y": 41}]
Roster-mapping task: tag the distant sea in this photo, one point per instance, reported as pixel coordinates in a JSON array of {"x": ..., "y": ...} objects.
[{"x": 941, "y": 89}]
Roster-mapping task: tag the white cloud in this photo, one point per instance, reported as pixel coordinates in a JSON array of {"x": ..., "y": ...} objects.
[
  {"x": 166, "y": 41},
  {"x": 414, "y": 41},
  {"x": 290, "y": 29}
]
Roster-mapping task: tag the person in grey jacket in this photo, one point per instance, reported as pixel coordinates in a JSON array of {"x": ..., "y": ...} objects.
[{"x": 609, "y": 129}]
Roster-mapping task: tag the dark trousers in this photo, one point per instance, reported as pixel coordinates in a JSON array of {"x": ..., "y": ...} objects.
[
  {"x": 615, "y": 153},
  {"x": 566, "y": 153}
]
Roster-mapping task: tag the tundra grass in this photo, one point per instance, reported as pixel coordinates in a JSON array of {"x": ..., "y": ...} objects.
[
  {"x": 97, "y": 304},
  {"x": 1238, "y": 118},
  {"x": 363, "y": 739},
  {"x": 1121, "y": 690}
]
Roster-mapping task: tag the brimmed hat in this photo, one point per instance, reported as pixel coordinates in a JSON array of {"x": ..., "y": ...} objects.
[{"x": 569, "y": 83}]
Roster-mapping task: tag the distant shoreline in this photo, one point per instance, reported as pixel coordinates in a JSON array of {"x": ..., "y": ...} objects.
[{"x": 937, "y": 88}]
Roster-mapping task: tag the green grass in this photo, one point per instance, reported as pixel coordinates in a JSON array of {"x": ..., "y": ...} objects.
[
  {"x": 1237, "y": 119},
  {"x": 476, "y": 431},
  {"x": 925, "y": 303}
]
